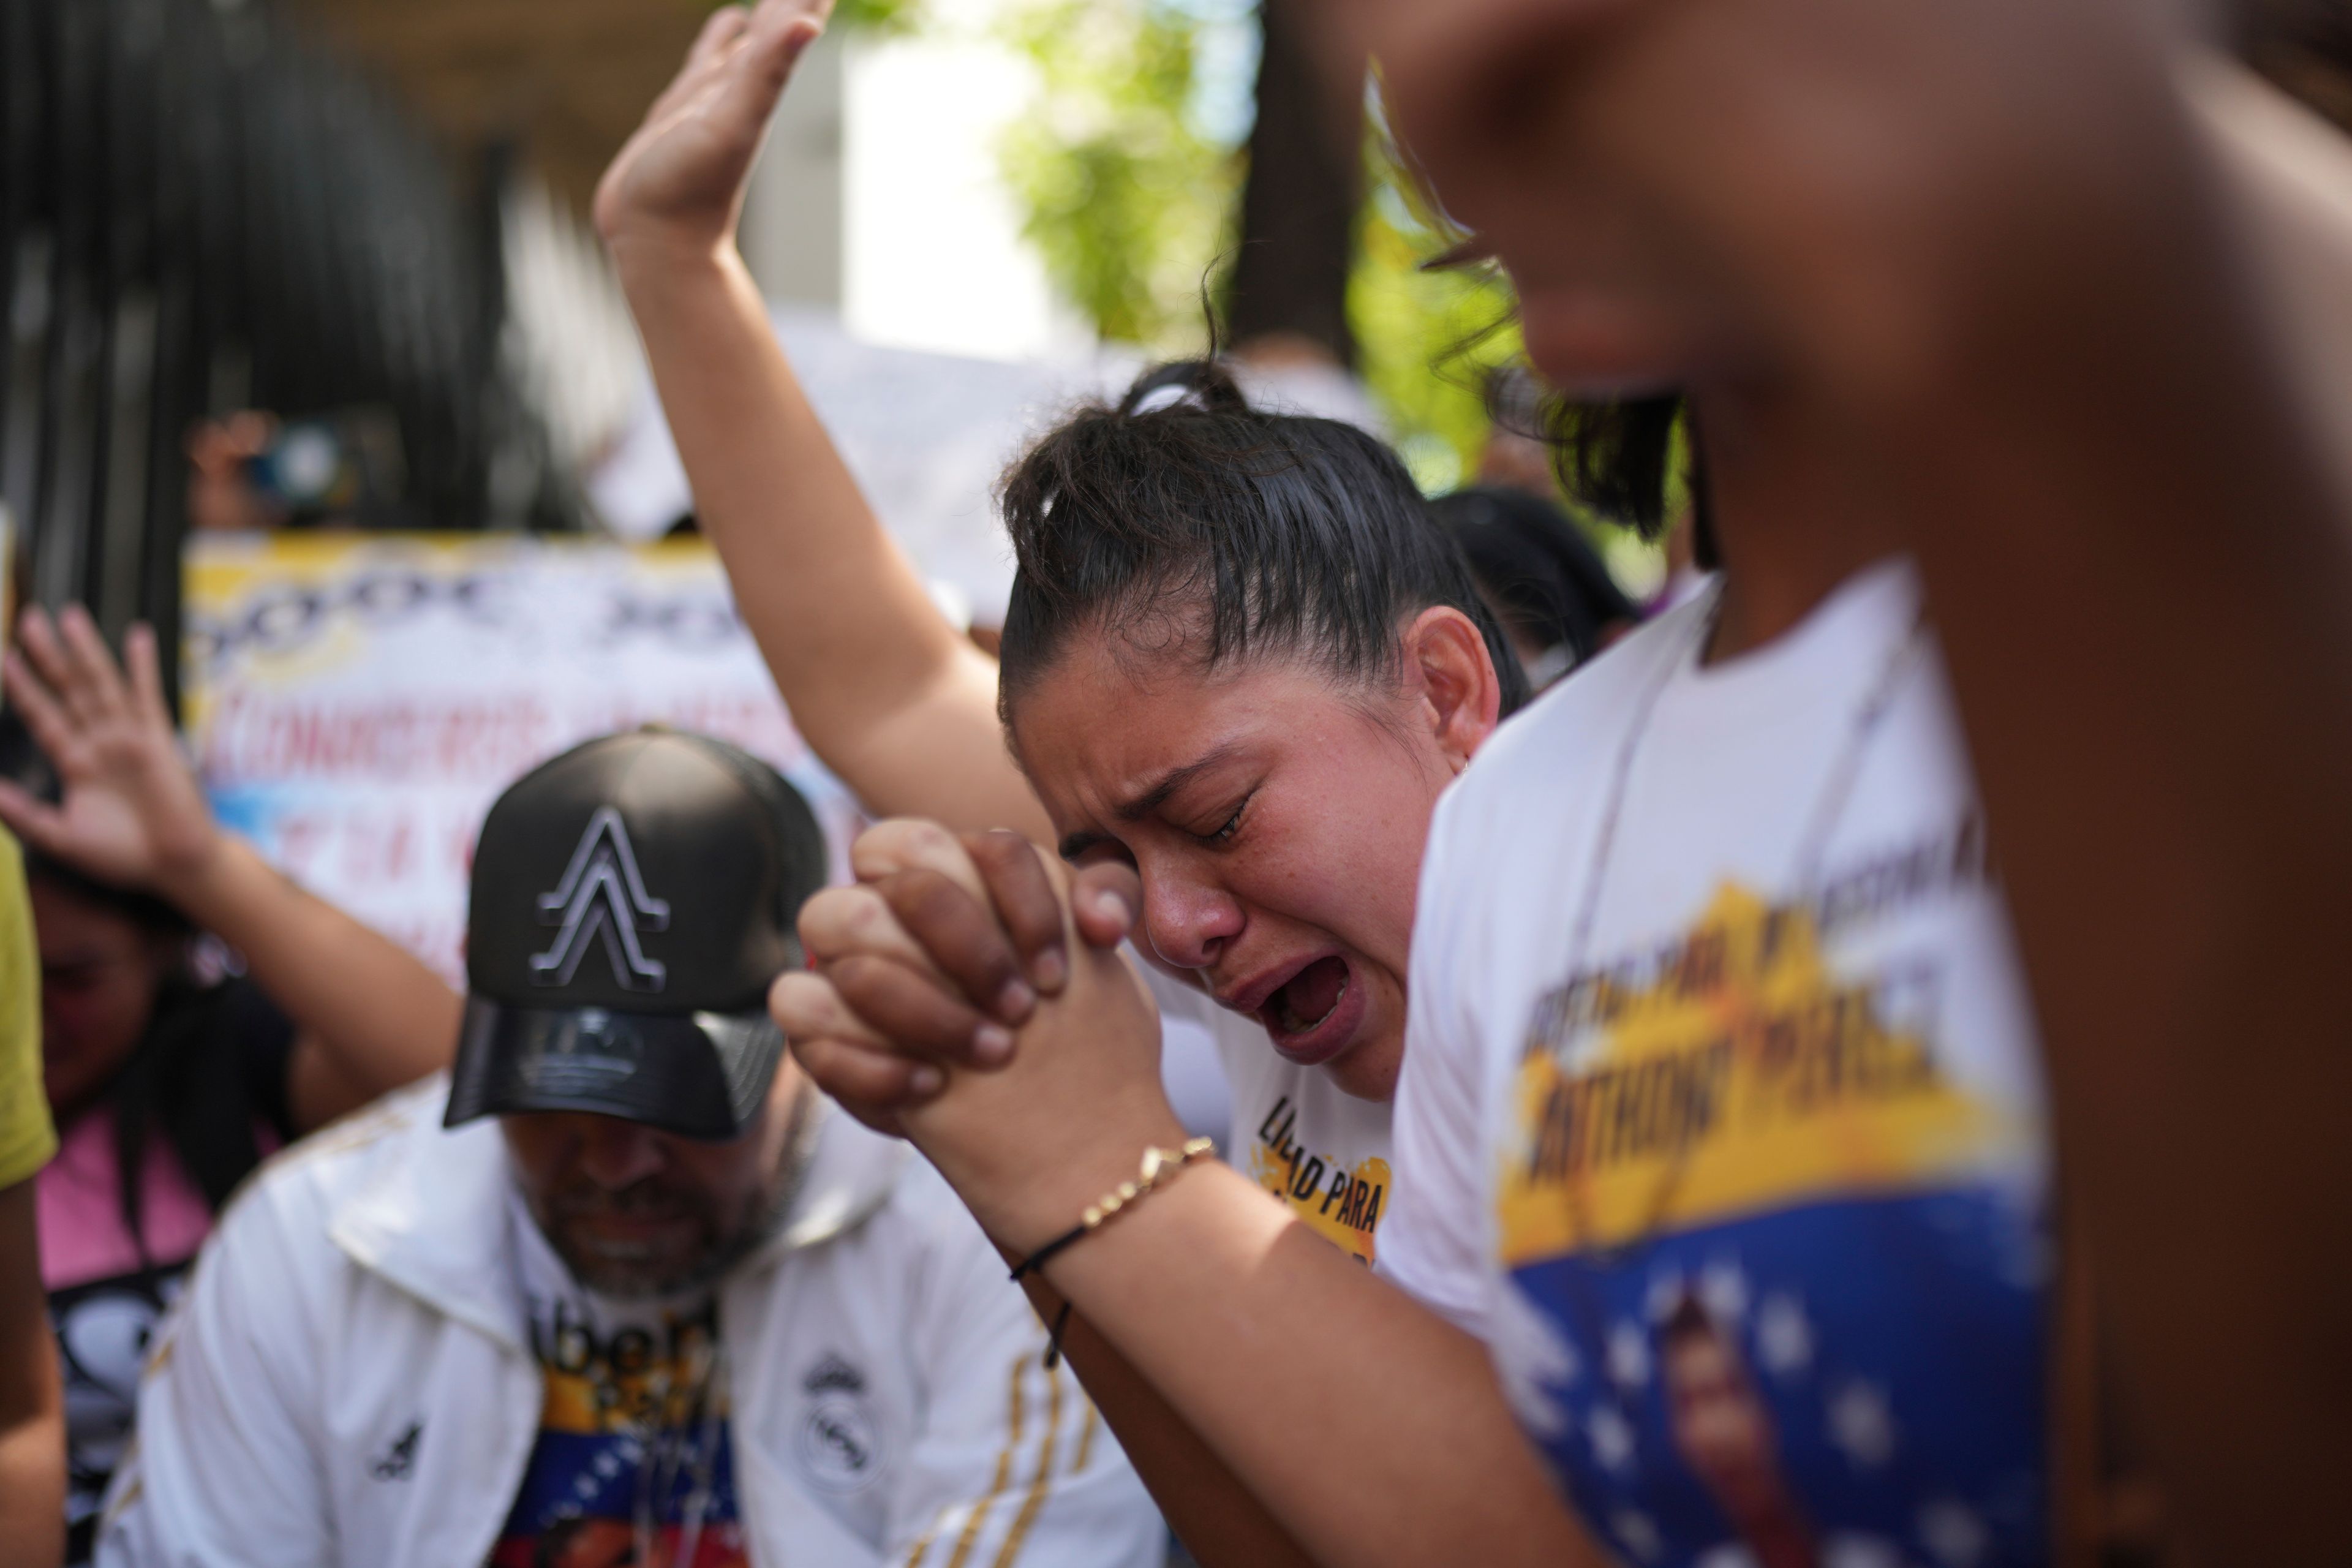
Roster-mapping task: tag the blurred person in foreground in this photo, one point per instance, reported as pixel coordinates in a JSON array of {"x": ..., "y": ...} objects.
[
  {"x": 625, "y": 1288},
  {"x": 31, "y": 1400},
  {"x": 169, "y": 1079},
  {"x": 1715, "y": 989}
]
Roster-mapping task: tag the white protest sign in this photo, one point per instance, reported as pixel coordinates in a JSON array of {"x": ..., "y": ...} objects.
[{"x": 355, "y": 702}]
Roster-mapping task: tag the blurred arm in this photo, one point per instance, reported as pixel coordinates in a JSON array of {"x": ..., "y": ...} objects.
[
  {"x": 1010, "y": 1463},
  {"x": 372, "y": 1016},
  {"x": 31, "y": 1400},
  {"x": 2292, "y": 172},
  {"x": 2143, "y": 583},
  {"x": 230, "y": 1465}
]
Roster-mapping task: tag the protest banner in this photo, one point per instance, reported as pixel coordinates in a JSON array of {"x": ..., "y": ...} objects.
[{"x": 355, "y": 702}]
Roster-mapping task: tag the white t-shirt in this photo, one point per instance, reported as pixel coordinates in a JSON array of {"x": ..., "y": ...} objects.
[
  {"x": 1295, "y": 1132},
  {"x": 1740, "y": 1168},
  {"x": 629, "y": 1384}
]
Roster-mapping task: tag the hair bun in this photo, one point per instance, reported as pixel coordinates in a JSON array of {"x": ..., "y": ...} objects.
[{"x": 1204, "y": 384}]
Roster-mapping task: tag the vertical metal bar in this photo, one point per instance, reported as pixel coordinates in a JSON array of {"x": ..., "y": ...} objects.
[
  {"x": 61, "y": 533},
  {"x": 133, "y": 59}
]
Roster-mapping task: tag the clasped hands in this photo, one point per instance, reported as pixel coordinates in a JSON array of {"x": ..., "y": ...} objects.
[{"x": 970, "y": 994}]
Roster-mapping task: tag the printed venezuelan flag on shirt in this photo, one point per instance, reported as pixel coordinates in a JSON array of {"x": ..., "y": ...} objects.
[
  {"x": 1777, "y": 1261},
  {"x": 579, "y": 1501}
]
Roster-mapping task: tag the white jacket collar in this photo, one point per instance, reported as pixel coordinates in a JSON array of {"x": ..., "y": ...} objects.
[{"x": 433, "y": 1218}]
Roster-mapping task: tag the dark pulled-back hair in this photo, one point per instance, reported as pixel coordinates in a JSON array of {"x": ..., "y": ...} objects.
[
  {"x": 1183, "y": 516},
  {"x": 1615, "y": 458},
  {"x": 1536, "y": 568}
]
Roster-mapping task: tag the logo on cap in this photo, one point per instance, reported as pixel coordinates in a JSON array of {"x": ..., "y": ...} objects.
[
  {"x": 590, "y": 1053},
  {"x": 601, "y": 894}
]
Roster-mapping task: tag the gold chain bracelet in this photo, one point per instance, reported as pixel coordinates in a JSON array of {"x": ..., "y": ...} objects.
[{"x": 1159, "y": 1166}]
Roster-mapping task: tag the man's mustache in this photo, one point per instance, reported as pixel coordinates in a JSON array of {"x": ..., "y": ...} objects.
[{"x": 647, "y": 1199}]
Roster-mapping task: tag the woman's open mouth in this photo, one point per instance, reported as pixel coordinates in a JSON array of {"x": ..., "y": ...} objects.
[{"x": 1313, "y": 1014}]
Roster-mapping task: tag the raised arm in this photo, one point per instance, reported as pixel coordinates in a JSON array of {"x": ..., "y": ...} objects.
[
  {"x": 889, "y": 695},
  {"x": 370, "y": 1017}
]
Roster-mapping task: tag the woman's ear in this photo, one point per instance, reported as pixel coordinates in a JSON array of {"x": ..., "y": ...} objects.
[{"x": 1451, "y": 672}]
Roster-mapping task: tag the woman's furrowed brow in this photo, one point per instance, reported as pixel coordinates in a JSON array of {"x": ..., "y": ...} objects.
[
  {"x": 1152, "y": 799},
  {"x": 1149, "y": 799}
]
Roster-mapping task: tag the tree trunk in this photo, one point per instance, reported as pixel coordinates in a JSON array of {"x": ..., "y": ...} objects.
[{"x": 1298, "y": 205}]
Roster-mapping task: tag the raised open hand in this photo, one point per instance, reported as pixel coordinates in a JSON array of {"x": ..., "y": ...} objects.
[
  {"x": 678, "y": 181},
  {"x": 133, "y": 814}
]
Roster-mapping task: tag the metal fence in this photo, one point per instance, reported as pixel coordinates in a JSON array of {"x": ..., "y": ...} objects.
[{"x": 201, "y": 213}]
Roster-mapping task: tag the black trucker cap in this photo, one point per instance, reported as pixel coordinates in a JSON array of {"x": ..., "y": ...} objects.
[{"x": 633, "y": 899}]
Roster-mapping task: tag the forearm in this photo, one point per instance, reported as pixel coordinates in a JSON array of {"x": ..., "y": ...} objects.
[
  {"x": 1221, "y": 1522},
  {"x": 1372, "y": 1432},
  {"x": 33, "y": 1488},
  {"x": 382, "y": 1017},
  {"x": 889, "y": 694},
  {"x": 2142, "y": 589},
  {"x": 32, "y": 1402}
]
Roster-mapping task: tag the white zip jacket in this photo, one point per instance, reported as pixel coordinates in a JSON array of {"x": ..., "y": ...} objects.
[{"x": 349, "y": 1379}]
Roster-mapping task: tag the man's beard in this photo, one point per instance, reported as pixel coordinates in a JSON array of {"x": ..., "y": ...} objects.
[{"x": 611, "y": 1270}]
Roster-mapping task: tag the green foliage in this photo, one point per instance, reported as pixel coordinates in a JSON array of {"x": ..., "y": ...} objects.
[
  {"x": 1126, "y": 199},
  {"x": 887, "y": 18},
  {"x": 1424, "y": 341},
  {"x": 1131, "y": 190},
  {"x": 1132, "y": 202}
]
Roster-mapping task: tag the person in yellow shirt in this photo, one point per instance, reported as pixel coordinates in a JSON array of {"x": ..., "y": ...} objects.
[{"x": 32, "y": 1402}]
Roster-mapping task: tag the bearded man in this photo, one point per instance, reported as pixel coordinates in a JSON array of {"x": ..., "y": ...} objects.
[{"x": 623, "y": 1288}]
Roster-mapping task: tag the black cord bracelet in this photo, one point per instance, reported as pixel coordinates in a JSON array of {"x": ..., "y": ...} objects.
[
  {"x": 1044, "y": 1255},
  {"x": 1054, "y": 1337},
  {"x": 1158, "y": 1164}
]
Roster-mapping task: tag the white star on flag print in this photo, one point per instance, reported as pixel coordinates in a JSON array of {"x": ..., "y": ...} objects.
[
  {"x": 1861, "y": 1424},
  {"x": 1743, "y": 1194}
]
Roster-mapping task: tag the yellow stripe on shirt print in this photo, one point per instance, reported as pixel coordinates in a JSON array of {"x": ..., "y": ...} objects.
[
  {"x": 1341, "y": 1203},
  {"x": 1742, "y": 1076},
  {"x": 661, "y": 1392}
]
